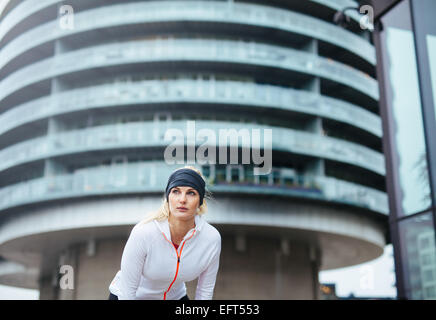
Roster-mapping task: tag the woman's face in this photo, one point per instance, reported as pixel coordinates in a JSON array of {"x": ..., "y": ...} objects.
[{"x": 183, "y": 202}]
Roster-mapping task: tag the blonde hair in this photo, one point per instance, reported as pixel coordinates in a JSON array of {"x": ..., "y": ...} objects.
[{"x": 164, "y": 211}]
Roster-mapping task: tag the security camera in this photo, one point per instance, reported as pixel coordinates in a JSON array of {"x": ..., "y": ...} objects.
[{"x": 341, "y": 19}]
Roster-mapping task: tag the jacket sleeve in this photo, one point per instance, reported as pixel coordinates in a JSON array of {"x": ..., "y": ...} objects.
[
  {"x": 206, "y": 280},
  {"x": 132, "y": 263}
]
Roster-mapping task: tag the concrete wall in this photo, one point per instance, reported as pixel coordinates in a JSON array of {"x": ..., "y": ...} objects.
[
  {"x": 95, "y": 272},
  {"x": 264, "y": 271}
]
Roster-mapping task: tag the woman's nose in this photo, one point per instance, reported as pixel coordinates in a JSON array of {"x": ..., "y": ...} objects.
[{"x": 182, "y": 197}]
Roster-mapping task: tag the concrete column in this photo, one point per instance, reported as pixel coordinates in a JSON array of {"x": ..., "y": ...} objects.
[
  {"x": 315, "y": 261},
  {"x": 315, "y": 125},
  {"x": 56, "y": 84},
  {"x": 54, "y": 126},
  {"x": 68, "y": 258},
  {"x": 51, "y": 166},
  {"x": 314, "y": 85},
  {"x": 315, "y": 167},
  {"x": 47, "y": 290}
]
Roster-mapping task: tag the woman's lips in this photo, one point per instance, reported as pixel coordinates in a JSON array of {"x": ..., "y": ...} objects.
[{"x": 182, "y": 209}]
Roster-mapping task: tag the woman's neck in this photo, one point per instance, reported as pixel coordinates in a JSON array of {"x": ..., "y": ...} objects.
[{"x": 179, "y": 228}]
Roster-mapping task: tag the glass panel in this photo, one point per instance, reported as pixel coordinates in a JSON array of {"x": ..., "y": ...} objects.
[
  {"x": 206, "y": 171},
  {"x": 403, "y": 98},
  {"x": 419, "y": 256},
  {"x": 431, "y": 45}
]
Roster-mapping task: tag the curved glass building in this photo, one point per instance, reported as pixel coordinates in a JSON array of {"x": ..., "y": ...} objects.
[{"x": 89, "y": 90}]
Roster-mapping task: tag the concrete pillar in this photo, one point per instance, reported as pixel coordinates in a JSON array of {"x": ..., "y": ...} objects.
[
  {"x": 68, "y": 269},
  {"x": 47, "y": 290},
  {"x": 315, "y": 167},
  {"x": 315, "y": 125},
  {"x": 53, "y": 167},
  {"x": 315, "y": 260},
  {"x": 56, "y": 84}
]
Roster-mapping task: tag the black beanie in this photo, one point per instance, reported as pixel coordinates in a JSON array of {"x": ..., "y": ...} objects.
[{"x": 186, "y": 177}]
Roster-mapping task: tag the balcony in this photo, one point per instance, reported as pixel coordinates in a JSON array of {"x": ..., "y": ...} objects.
[
  {"x": 195, "y": 11},
  {"x": 237, "y": 94},
  {"x": 144, "y": 177},
  {"x": 206, "y": 51}
]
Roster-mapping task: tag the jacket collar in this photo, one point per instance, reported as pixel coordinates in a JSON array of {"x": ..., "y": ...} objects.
[{"x": 164, "y": 226}]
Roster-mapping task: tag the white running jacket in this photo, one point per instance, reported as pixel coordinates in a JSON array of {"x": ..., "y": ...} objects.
[{"x": 153, "y": 269}]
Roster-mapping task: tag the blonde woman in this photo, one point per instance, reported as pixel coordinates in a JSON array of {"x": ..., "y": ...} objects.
[{"x": 172, "y": 246}]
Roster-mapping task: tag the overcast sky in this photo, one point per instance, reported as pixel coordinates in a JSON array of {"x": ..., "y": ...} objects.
[
  {"x": 11, "y": 293},
  {"x": 371, "y": 279}
]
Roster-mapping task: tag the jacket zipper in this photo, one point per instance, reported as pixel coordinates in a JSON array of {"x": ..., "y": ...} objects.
[{"x": 178, "y": 260}]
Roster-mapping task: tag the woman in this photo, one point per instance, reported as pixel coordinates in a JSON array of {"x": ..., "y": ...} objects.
[{"x": 172, "y": 246}]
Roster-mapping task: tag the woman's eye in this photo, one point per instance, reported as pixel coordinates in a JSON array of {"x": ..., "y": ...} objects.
[{"x": 177, "y": 191}]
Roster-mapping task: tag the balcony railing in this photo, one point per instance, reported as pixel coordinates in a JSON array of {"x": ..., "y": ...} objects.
[
  {"x": 194, "y": 91},
  {"x": 28, "y": 7},
  {"x": 149, "y": 134},
  {"x": 211, "y": 51},
  {"x": 150, "y": 177},
  {"x": 167, "y": 11}
]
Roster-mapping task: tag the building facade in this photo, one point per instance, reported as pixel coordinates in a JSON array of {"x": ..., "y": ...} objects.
[
  {"x": 405, "y": 38},
  {"x": 89, "y": 91}
]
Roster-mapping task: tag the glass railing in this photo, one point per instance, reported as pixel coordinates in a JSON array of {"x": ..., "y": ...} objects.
[
  {"x": 153, "y": 133},
  {"x": 204, "y": 91},
  {"x": 146, "y": 177},
  {"x": 194, "y": 50},
  {"x": 201, "y": 11}
]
